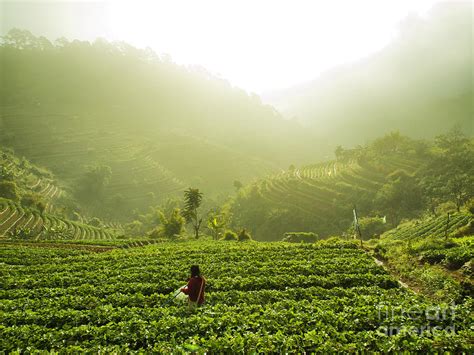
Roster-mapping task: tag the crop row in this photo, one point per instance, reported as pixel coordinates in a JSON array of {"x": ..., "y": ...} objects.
[
  {"x": 312, "y": 189},
  {"x": 261, "y": 297},
  {"x": 435, "y": 227},
  {"x": 16, "y": 220}
]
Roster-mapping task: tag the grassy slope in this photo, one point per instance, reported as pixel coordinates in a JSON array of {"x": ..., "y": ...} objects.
[
  {"x": 432, "y": 255},
  {"x": 317, "y": 198}
]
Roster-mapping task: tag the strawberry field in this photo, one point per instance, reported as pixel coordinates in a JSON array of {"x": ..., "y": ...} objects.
[{"x": 264, "y": 297}]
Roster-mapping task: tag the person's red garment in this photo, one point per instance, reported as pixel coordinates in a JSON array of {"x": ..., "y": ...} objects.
[{"x": 194, "y": 287}]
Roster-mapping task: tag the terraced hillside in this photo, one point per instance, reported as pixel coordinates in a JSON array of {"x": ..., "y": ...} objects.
[
  {"x": 159, "y": 126},
  {"x": 456, "y": 224},
  {"x": 434, "y": 255},
  {"x": 17, "y": 222},
  {"x": 62, "y": 144},
  {"x": 322, "y": 297},
  {"x": 31, "y": 180},
  {"x": 146, "y": 167},
  {"x": 320, "y": 197}
]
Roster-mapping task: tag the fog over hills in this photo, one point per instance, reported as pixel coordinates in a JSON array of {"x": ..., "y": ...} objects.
[{"x": 420, "y": 84}]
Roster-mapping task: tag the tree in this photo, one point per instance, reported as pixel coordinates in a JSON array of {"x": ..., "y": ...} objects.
[
  {"x": 371, "y": 227},
  {"x": 33, "y": 200},
  {"x": 238, "y": 185},
  {"x": 390, "y": 143},
  {"x": 244, "y": 236},
  {"x": 172, "y": 226},
  {"x": 8, "y": 189},
  {"x": 339, "y": 153},
  {"x": 449, "y": 174},
  {"x": 96, "y": 222},
  {"x": 401, "y": 197},
  {"x": 216, "y": 224},
  {"x": 230, "y": 235},
  {"x": 192, "y": 201},
  {"x": 91, "y": 186}
]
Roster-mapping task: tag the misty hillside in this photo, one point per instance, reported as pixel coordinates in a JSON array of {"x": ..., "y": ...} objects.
[
  {"x": 146, "y": 126},
  {"x": 393, "y": 176},
  {"x": 420, "y": 84}
]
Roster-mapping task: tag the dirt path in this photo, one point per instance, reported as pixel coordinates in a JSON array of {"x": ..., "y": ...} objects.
[{"x": 386, "y": 268}]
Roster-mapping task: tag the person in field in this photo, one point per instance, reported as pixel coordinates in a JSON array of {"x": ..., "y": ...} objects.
[{"x": 195, "y": 288}]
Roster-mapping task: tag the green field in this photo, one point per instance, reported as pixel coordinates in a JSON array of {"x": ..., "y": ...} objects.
[{"x": 261, "y": 297}]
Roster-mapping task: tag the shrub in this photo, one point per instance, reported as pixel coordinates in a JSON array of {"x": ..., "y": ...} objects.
[
  {"x": 457, "y": 257},
  {"x": 244, "y": 236},
  {"x": 155, "y": 233},
  {"x": 229, "y": 235},
  {"x": 8, "y": 189},
  {"x": 22, "y": 233},
  {"x": 470, "y": 205},
  {"x": 134, "y": 228},
  {"x": 300, "y": 237},
  {"x": 433, "y": 256},
  {"x": 434, "y": 244},
  {"x": 33, "y": 201},
  {"x": 446, "y": 207},
  {"x": 468, "y": 268},
  {"x": 96, "y": 222},
  {"x": 172, "y": 227},
  {"x": 371, "y": 227}
]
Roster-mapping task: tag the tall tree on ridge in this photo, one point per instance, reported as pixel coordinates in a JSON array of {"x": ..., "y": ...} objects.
[{"x": 192, "y": 201}]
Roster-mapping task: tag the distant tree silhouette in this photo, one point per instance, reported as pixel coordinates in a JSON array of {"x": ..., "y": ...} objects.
[{"x": 192, "y": 201}]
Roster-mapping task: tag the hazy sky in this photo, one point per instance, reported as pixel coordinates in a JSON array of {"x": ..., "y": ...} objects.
[{"x": 259, "y": 45}]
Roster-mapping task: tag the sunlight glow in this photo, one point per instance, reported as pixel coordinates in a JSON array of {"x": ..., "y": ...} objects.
[{"x": 261, "y": 45}]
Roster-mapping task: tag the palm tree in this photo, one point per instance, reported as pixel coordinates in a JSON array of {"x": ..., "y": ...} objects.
[{"x": 192, "y": 201}]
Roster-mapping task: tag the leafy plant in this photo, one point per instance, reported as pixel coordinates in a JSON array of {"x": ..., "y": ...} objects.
[
  {"x": 229, "y": 235},
  {"x": 298, "y": 237}
]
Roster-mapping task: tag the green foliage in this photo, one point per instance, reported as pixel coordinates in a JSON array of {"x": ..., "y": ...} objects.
[
  {"x": 192, "y": 201},
  {"x": 445, "y": 208},
  {"x": 134, "y": 228},
  {"x": 59, "y": 232},
  {"x": 90, "y": 187},
  {"x": 238, "y": 185},
  {"x": 95, "y": 222},
  {"x": 216, "y": 224},
  {"x": 33, "y": 200},
  {"x": 244, "y": 236},
  {"x": 278, "y": 293},
  {"x": 470, "y": 206},
  {"x": 452, "y": 258},
  {"x": 425, "y": 252},
  {"x": 9, "y": 190},
  {"x": 22, "y": 234},
  {"x": 400, "y": 198},
  {"x": 230, "y": 235},
  {"x": 5, "y": 174},
  {"x": 172, "y": 226},
  {"x": 449, "y": 174},
  {"x": 371, "y": 227},
  {"x": 300, "y": 237}
]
